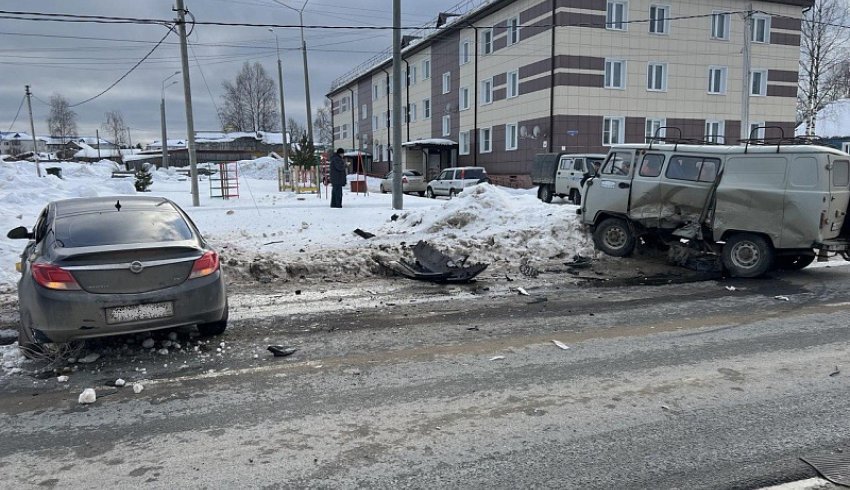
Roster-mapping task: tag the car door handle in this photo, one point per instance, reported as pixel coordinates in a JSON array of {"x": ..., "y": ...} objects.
[{"x": 624, "y": 185}]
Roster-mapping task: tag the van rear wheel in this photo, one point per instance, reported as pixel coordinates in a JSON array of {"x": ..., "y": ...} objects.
[
  {"x": 614, "y": 237},
  {"x": 575, "y": 197},
  {"x": 747, "y": 255},
  {"x": 545, "y": 193}
]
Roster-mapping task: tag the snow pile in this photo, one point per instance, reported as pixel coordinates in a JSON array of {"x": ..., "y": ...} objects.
[
  {"x": 11, "y": 359},
  {"x": 491, "y": 223},
  {"x": 263, "y": 168}
]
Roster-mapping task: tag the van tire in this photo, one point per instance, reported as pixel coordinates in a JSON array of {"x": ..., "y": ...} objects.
[
  {"x": 575, "y": 197},
  {"x": 794, "y": 262},
  {"x": 747, "y": 255},
  {"x": 430, "y": 193},
  {"x": 614, "y": 236},
  {"x": 545, "y": 193},
  {"x": 452, "y": 193}
]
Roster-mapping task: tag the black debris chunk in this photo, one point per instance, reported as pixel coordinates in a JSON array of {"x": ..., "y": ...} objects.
[
  {"x": 363, "y": 234},
  {"x": 282, "y": 350},
  {"x": 435, "y": 266}
]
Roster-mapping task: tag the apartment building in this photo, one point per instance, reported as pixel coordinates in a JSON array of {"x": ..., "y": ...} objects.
[{"x": 510, "y": 79}]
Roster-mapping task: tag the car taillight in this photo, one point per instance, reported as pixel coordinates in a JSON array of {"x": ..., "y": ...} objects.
[
  {"x": 206, "y": 265},
  {"x": 54, "y": 277},
  {"x": 404, "y": 180}
]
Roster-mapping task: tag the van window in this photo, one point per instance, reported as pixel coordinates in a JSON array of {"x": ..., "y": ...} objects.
[
  {"x": 446, "y": 175},
  {"x": 692, "y": 168},
  {"x": 651, "y": 166},
  {"x": 579, "y": 165},
  {"x": 803, "y": 172},
  {"x": 619, "y": 163},
  {"x": 841, "y": 173},
  {"x": 566, "y": 163}
]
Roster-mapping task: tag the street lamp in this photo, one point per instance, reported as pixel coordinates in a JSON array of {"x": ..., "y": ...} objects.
[
  {"x": 282, "y": 106},
  {"x": 162, "y": 117},
  {"x": 306, "y": 72}
]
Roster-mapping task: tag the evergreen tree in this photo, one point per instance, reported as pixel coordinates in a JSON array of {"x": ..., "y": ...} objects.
[{"x": 304, "y": 155}]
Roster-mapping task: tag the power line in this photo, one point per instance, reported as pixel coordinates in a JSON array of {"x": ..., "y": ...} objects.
[
  {"x": 18, "y": 113},
  {"x": 116, "y": 82},
  {"x": 204, "y": 78}
]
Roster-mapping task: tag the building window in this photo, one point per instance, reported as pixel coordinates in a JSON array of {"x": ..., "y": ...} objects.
[
  {"x": 411, "y": 76},
  {"x": 656, "y": 77},
  {"x": 364, "y": 111},
  {"x": 513, "y": 83},
  {"x": 615, "y": 74},
  {"x": 720, "y": 25},
  {"x": 343, "y": 132},
  {"x": 761, "y": 29},
  {"x": 343, "y": 104},
  {"x": 389, "y": 85},
  {"x": 758, "y": 82},
  {"x": 756, "y": 130},
  {"x": 659, "y": 22},
  {"x": 463, "y": 143},
  {"x": 714, "y": 131},
  {"x": 464, "y": 52},
  {"x": 411, "y": 112},
  {"x": 513, "y": 30},
  {"x": 447, "y": 82},
  {"x": 612, "y": 130},
  {"x": 426, "y": 69},
  {"x": 616, "y": 17},
  {"x": 717, "y": 80},
  {"x": 486, "y": 142},
  {"x": 390, "y": 119},
  {"x": 653, "y": 129},
  {"x": 487, "y": 41},
  {"x": 464, "y": 98},
  {"x": 375, "y": 122},
  {"x": 447, "y": 125},
  {"x": 426, "y": 108},
  {"x": 376, "y": 91},
  {"x": 511, "y": 136},
  {"x": 487, "y": 91}
]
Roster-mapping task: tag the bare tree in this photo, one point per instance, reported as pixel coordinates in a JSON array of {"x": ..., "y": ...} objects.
[
  {"x": 62, "y": 121},
  {"x": 324, "y": 125},
  {"x": 296, "y": 130},
  {"x": 821, "y": 58},
  {"x": 250, "y": 103},
  {"x": 115, "y": 128}
]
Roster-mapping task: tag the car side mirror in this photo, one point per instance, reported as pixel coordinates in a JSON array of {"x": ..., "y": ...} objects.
[{"x": 18, "y": 233}]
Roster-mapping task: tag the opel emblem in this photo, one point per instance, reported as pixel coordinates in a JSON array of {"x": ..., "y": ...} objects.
[{"x": 136, "y": 267}]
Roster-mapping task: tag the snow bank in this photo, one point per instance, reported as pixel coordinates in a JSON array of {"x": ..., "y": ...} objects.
[
  {"x": 263, "y": 168},
  {"x": 11, "y": 359}
]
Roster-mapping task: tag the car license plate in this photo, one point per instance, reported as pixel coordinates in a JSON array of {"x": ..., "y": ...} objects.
[{"x": 150, "y": 311}]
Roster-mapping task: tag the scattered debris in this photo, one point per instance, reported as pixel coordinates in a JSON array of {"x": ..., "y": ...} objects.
[
  {"x": 87, "y": 396},
  {"x": 731, "y": 288},
  {"x": 120, "y": 382},
  {"x": 162, "y": 352},
  {"x": 435, "y": 266},
  {"x": 172, "y": 336},
  {"x": 94, "y": 356},
  {"x": 394, "y": 217},
  {"x": 148, "y": 343},
  {"x": 561, "y": 344},
  {"x": 497, "y": 358},
  {"x": 508, "y": 278},
  {"x": 522, "y": 291},
  {"x": 62, "y": 379},
  {"x": 353, "y": 372},
  {"x": 836, "y": 372},
  {"x": 474, "y": 329},
  {"x": 281, "y": 350},
  {"x": 579, "y": 262},
  {"x": 138, "y": 387},
  {"x": 782, "y": 298},
  {"x": 364, "y": 234},
  {"x": 538, "y": 299},
  {"x": 527, "y": 270}
]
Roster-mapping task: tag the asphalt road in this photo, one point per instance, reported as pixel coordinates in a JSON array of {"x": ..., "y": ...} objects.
[{"x": 685, "y": 385}]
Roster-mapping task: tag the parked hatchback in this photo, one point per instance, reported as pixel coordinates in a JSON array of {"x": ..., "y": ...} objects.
[
  {"x": 115, "y": 265},
  {"x": 455, "y": 179},
  {"x": 411, "y": 181}
]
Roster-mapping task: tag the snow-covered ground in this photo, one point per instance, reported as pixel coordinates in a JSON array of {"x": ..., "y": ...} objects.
[{"x": 299, "y": 234}]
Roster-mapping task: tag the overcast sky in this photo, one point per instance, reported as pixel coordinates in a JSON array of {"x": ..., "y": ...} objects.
[{"x": 79, "y": 60}]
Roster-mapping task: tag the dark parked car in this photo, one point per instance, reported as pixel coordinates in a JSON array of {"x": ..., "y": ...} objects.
[{"x": 114, "y": 265}]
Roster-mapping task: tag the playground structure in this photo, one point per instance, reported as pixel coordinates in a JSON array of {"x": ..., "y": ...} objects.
[{"x": 225, "y": 183}]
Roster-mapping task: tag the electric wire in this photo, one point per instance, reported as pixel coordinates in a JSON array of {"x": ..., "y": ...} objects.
[{"x": 18, "y": 113}]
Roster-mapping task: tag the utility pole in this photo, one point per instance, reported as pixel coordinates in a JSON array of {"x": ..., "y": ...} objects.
[
  {"x": 745, "y": 82},
  {"x": 97, "y": 137},
  {"x": 187, "y": 94},
  {"x": 282, "y": 105},
  {"x": 397, "y": 189},
  {"x": 32, "y": 129},
  {"x": 162, "y": 118}
]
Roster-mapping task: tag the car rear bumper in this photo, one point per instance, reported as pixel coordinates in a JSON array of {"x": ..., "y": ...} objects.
[{"x": 62, "y": 316}]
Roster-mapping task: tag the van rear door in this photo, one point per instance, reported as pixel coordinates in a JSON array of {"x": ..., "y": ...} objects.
[
  {"x": 839, "y": 196},
  {"x": 609, "y": 191},
  {"x": 564, "y": 175},
  {"x": 645, "y": 204}
]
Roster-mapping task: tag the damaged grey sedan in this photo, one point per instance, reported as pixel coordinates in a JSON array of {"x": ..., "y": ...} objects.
[{"x": 103, "y": 266}]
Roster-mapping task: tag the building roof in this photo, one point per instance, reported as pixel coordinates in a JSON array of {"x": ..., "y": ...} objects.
[
  {"x": 833, "y": 121},
  {"x": 464, "y": 14}
]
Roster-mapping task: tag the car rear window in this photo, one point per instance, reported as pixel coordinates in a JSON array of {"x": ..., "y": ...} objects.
[
  {"x": 474, "y": 173},
  {"x": 121, "y": 227},
  {"x": 412, "y": 173}
]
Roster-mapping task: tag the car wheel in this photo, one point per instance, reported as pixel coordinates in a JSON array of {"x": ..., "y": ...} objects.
[
  {"x": 794, "y": 262},
  {"x": 452, "y": 193},
  {"x": 747, "y": 255},
  {"x": 29, "y": 347},
  {"x": 575, "y": 197},
  {"x": 214, "y": 328},
  {"x": 430, "y": 193},
  {"x": 545, "y": 193},
  {"x": 614, "y": 237},
  {"x": 421, "y": 193},
  {"x": 383, "y": 191}
]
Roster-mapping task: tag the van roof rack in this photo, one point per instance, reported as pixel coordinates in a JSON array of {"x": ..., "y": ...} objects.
[
  {"x": 676, "y": 141},
  {"x": 780, "y": 140}
]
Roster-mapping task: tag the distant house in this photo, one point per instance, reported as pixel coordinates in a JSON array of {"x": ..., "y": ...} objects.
[
  {"x": 832, "y": 124},
  {"x": 17, "y": 143},
  {"x": 212, "y": 146}
]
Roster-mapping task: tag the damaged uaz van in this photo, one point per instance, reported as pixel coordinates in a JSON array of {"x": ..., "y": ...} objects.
[{"x": 752, "y": 207}]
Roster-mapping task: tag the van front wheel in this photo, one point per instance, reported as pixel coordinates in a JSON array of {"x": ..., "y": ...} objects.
[
  {"x": 614, "y": 237},
  {"x": 747, "y": 255}
]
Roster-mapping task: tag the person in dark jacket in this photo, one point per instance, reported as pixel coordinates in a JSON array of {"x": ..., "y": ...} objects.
[{"x": 337, "y": 178}]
